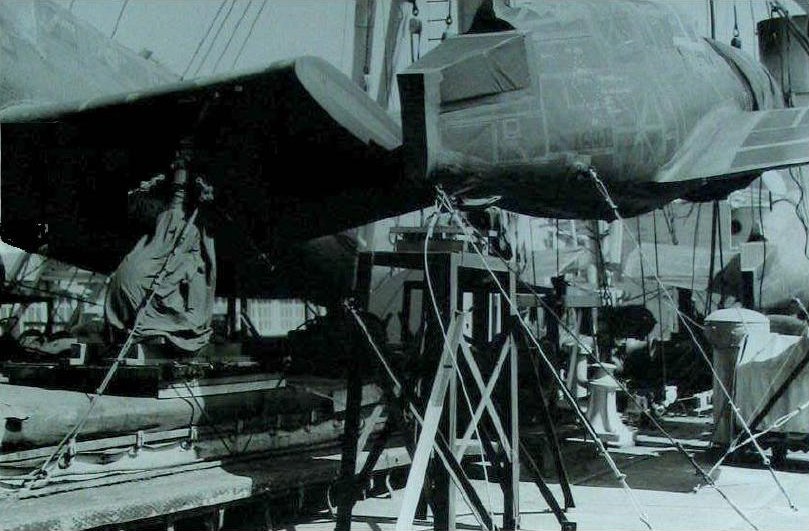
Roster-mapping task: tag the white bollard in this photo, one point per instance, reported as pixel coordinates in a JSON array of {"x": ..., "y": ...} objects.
[{"x": 602, "y": 411}]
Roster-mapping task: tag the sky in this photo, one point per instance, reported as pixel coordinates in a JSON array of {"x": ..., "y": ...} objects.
[{"x": 172, "y": 29}]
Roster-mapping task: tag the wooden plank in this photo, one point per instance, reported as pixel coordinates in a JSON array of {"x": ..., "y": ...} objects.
[
  {"x": 164, "y": 495},
  {"x": 217, "y": 386},
  {"x": 96, "y": 444},
  {"x": 282, "y": 445},
  {"x": 351, "y": 433},
  {"x": 415, "y": 260},
  {"x": 450, "y": 425},
  {"x": 367, "y": 430},
  {"x": 512, "y": 520}
]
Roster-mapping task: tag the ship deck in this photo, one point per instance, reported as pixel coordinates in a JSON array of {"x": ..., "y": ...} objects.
[
  {"x": 662, "y": 480},
  {"x": 292, "y": 489}
]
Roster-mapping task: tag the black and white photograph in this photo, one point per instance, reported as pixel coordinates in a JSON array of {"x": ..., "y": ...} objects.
[{"x": 390, "y": 265}]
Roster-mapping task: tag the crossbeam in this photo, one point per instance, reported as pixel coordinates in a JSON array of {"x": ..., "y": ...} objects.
[{"x": 485, "y": 399}]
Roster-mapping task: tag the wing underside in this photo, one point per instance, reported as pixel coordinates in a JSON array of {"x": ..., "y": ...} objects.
[{"x": 294, "y": 151}]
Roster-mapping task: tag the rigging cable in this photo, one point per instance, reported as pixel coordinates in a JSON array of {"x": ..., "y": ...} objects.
[
  {"x": 214, "y": 39},
  {"x": 232, "y": 35},
  {"x": 764, "y": 242},
  {"x": 642, "y": 272},
  {"x": 677, "y": 444},
  {"x": 55, "y": 310},
  {"x": 203, "y": 39},
  {"x": 619, "y": 476},
  {"x": 786, "y": 73},
  {"x": 712, "y": 261},
  {"x": 118, "y": 20},
  {"x": 533, "y": 250},
  {"x": 249, "y": 34},
  {"x": 602, "y": 188},
  {"x": 447, "y": 20},
  {"x": 694, "y": 247},
  {"x": 721, "y": 272},
  {"x": 800, "y": 206}
]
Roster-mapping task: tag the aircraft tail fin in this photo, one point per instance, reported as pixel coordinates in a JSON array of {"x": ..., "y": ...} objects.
[{"x": 729, "y": 144}]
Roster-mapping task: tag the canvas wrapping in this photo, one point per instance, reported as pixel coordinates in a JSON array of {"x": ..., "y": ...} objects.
[
  {"x": 765, "y": 363},
  {"x": 182, "y": 307}
]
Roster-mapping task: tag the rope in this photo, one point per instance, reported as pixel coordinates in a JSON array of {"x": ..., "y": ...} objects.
[
  {"x": 800, "y": 206},
  {"x": 619, "y": 476},
  {"x": 708, "y": 479},
  {"x": 55, "y": 310},
  {"x": 765, "y": 460},
  {"x": 210, "y": 420},
  {"x": 130, "y": 340}
]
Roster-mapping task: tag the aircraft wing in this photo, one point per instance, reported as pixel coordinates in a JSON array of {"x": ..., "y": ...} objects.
[
  {"x": 294, "y": 151},
  {"x": 732, "y": 143}
]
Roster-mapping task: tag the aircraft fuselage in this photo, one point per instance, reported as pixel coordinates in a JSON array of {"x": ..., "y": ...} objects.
[{"x": 619, "y": 85}]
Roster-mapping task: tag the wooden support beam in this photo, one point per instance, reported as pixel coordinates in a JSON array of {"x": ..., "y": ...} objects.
[
  {"x": 511, "y": 505},
  {"x": 349, "y": 453},
  {"x": 429, "y": 429},
  {"x": 367, "y": 430},
  {"x": 485, "y": 398},
  {"x": 553, "y": 440},
  {"x": 546, "y": 492}
]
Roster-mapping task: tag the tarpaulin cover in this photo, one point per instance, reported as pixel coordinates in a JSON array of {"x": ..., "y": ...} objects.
[
  {"x": 182, "y": 307},
  {"x": 765, "y": 363},
  {"x": 479, "y": 65}
]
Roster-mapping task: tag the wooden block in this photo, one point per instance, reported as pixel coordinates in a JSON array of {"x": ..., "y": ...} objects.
[{"x": 219, "y": 386}]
